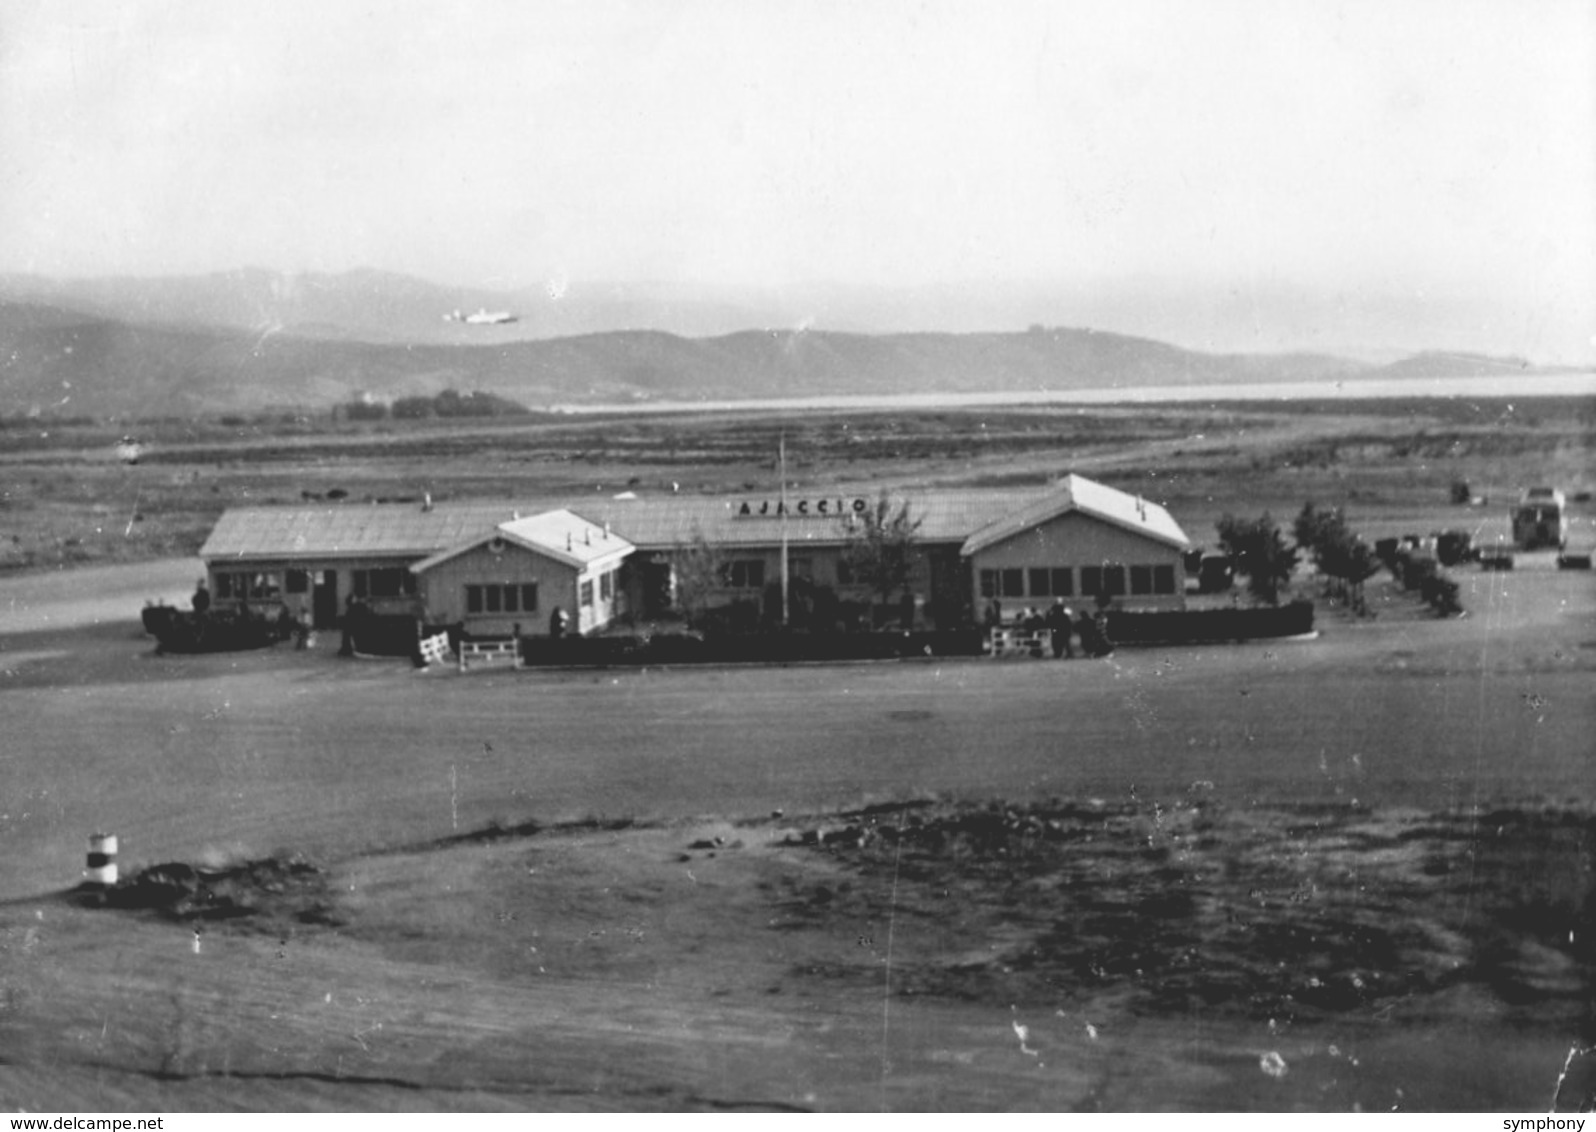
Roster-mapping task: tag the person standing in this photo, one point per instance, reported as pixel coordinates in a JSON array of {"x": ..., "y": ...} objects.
[
  {"x": 1059, "y": 627},
  {"x": 352, "y": 608},
  {"x": 201, "y": 598},
  {"x": 1087, "y": 630},
  {"x": 1101, "y": 645}
]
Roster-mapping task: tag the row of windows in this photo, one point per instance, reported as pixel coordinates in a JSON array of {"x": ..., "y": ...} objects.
[
  {"x": 522, "y": 597},
  {"x": 513, "y": 597},
  {"x": 606, "y": 589},
  {"x": 267, "y": 585},
  {"x": 1059, "y": 581}
]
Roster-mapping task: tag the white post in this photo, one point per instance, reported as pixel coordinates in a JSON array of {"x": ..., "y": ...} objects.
[{"x": 102, "y": 859}]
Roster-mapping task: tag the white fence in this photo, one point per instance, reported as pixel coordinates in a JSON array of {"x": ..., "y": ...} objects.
[
  {"x": 1014, "y": 640},
  {"x": 498, "y": 654},
  {"x": 434, "y": 648}
]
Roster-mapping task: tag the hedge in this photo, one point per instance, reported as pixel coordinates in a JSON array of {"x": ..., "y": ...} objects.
[
  {"x": 1191, "y": 626},
  {"x": 382, "y": 634}
]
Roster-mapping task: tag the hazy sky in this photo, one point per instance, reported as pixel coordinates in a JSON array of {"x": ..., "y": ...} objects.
[{"x": 1390, "y": 146}]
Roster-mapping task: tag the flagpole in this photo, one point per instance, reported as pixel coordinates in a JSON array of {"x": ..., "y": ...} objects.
[{"x": 782, "y": 466}]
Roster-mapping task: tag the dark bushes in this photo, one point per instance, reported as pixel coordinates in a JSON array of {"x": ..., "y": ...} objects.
[
  {"x": 182, "y": 631},
  {"x": 382, "y": 634},
  {"x": 1189, "y": 626}
]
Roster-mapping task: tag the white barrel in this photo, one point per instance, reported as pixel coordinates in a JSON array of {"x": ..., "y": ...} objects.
[{"x": 102, "y": 859}]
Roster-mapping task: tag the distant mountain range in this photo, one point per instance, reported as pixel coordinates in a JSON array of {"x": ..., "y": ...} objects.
[{"x": 255, "y": 340}]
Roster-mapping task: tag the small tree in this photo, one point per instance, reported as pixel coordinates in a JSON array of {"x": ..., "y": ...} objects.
[
  {"x": 696, "y": 570},
  {"x": 880, "y": 549},
  {"x": 1314, "y": 529},
  {"x": 1258, "y": 551},
  {"x": 363, "y": 410},
  {"x": 412, "y": 408},
  {"x": 1339, "y": 554}
]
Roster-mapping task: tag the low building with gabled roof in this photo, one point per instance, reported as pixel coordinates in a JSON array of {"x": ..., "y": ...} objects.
[
  {"x": 546, "y": 568},
  {"x": 1072, "y": 540},
  {"x": 1081, "y": 541}
]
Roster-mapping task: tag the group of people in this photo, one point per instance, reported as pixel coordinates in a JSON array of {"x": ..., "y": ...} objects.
[{"x": 1062, "y": 625}]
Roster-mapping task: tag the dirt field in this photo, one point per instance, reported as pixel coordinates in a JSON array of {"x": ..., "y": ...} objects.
[
  {"x": 66, "y": 501},
  {"x": 1358, "y": 871},
  {"x": 1352, "y": 872}
]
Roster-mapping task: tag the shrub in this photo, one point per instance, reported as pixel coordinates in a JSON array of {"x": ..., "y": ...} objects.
[{"x": 1258, "y": 551}]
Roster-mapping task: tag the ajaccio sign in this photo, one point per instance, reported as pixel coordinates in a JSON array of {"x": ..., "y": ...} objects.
[{"x": 802, "y": 508}]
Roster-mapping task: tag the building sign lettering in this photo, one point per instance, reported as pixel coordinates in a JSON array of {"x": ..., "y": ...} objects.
[{"x": 802, "y": 508}]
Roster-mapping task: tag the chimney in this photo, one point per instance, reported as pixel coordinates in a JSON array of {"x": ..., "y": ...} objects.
[
  {"x": 606, "y": 530},
  {"x": 515, "y": 516},
  {"x": 587, "y": 536},
  {"x": 567, "y": 540},
  {"x": 426, "y": 501}
]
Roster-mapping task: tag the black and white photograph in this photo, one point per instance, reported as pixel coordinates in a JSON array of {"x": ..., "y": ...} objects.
[{"x": 750, "y": 556}]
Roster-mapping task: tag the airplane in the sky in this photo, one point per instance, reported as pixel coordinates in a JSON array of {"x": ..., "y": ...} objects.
[{"x": 482, "y": 317}]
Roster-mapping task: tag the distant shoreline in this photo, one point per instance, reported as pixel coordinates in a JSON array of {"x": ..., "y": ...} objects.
[{"x": 1528, "y": 385}]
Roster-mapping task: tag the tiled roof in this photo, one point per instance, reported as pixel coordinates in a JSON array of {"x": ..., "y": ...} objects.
[
  {"x": 1089, "y": 497},
  {"x": 657, "y": 522}
]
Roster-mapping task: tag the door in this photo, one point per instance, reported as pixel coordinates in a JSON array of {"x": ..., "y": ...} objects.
[{"x": 324, "y": 602}]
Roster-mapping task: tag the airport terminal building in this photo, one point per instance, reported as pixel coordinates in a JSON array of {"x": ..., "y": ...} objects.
[{"x": 498, "y": 568}]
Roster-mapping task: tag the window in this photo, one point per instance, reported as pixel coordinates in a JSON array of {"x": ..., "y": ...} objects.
[
  {"x": 1063, "y": 581},
  {"x": 1141, "y": 579},
  {"x": 296, "y": 582},
  {"x": 845, "y": 573},
  {"x": 255, "y": 587},
  {"x": 1041, "y": 581},
  {"x": 1106, "y": 580},
  {"x": 744, "y": 573},
  {"x": 392, "y": 581},
  {"x": 606, "y": 586},
  {"x": 1014, "y": 583},
  {"x": 1163, "y": 579},
  {"x": 529, "y": 597},
  {"x": 495, "y": 596},
  {"x": 473, "y": 599},
  {"x": 384, "y": 581},
  {"x": 587, "y": 592},
  {"x": 224, "y": 585},
  {"x": 801, "y": 568},
  {"x": 989, "y": 583}
]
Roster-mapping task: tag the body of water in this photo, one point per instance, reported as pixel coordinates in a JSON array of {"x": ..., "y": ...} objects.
[{"x": 1528, "y": 385}]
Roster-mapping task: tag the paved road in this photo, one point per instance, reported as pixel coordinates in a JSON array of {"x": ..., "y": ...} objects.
[{"x": 93, "y": 595}]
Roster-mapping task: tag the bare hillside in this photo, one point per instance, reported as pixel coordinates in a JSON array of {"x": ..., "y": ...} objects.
[{"x": 58, "y": 361}]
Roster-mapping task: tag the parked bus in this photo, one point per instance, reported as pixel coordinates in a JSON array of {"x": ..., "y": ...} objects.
[{"x": 1540, "y": 519}]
